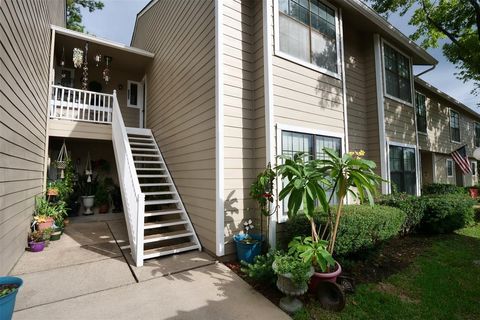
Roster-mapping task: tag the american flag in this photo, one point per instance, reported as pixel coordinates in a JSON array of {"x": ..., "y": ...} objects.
[{"x": 461, "y": 159}]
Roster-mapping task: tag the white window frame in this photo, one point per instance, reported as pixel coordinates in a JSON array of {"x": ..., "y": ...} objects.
[
  {"x": 140, "y": 94},
  {"x": 338, "y": 40},
  {"x": 447, "y": 161},
  {"x": 412, "y": 91},
  {"x": 417, "y": 165},
  {"x": 475, "y": 124},
  {"x": 281, "y": 217},
  {"x": 450, "y": 110}
]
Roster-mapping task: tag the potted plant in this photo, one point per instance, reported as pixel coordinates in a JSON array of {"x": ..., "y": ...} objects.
[
  {"x": 9, "y": 287},
  {"x": 44, "y": 213},
  {"x": 36, "y": 242},
  {"x": 309, "y": 182},
  {"x": 102, "y": 197},
  {"x": 293, "y": 276},
  {"x": 248, "y": 245},
  {"x": 87, "y": 189},
  {"x": 46, "y": 233}
]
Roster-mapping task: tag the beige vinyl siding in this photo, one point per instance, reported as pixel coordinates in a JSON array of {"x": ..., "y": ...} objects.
[
  {"x": 440, "y": 164},
  {"x": 24, "y": 29},
  {"x": 181, "y": 101},
  {"x": 438, "y": 137},
  {"x": 399, "y": 122},
  {"x": 78, "y": 129},
  {"x": 239, "y": 115}
]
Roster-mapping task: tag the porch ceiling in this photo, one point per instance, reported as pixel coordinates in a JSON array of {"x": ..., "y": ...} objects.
[{"x": 126, "y": 58}]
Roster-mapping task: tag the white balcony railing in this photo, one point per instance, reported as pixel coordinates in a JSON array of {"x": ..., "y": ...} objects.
[{"x": 80, "y": 105}]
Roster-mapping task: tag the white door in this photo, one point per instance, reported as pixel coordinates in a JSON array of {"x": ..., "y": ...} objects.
[{"x": 135, "y": 97}]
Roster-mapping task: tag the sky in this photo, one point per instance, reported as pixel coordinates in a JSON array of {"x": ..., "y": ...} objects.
[{"x": 117, "y": 20}]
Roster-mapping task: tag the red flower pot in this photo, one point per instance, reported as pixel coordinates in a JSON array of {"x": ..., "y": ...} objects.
[
  {"x": 473, "y": 192},
  {"x": 324, "y": 276}
]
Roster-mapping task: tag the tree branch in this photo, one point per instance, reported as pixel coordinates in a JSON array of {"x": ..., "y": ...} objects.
[{"x": 476, "y": 6}]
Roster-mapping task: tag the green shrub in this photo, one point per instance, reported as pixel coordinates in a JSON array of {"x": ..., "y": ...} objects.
[
  {"x": 442, "y": 188},
  {"x": 412, "y": 206},
  {"x": 261, "y": 269},
  {"x": 361, "y": 227},
  {"x": 447, "y": 213}
]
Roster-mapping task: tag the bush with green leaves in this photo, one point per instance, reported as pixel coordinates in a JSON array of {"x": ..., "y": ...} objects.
[
  {"x": 447, "y": 213},
  {"x": 261, "y": 269},
  {"x": 442, "y": 188},
  {"x": 292, "y": 267},
  {"x": 412, "y": 206},
  {"x": 361, "y": 227}
]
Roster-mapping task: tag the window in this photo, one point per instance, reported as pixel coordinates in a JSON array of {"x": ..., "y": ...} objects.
[
  {"x": 294, "y": 142},
  {"x": 397, "y": 74},
  {"x": 403, "y": 174},
  {"x": 477, "y": 134},
  {"x": 473, "y": 165},
  {"x": 455, "y": 126},
  {"x": 421, "y": 112},
  {"x": 449, "y": 168},
  {"x": 307, "y": 31}
]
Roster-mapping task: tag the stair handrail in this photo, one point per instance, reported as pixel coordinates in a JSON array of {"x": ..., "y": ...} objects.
[{"x": 132, "y": 197}]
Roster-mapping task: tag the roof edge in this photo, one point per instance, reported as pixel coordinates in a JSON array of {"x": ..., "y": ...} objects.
[
  {"x": 447, "y": 97},
  {"x": 102, "y": 41},
  {"x": 394, "y": 32}
]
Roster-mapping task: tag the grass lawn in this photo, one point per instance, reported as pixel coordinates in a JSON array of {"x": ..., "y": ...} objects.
[{"x": 441, "y": 283}]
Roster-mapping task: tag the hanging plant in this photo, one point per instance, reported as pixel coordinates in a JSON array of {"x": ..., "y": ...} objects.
[
  {"x": 77, "y": 58},
  {"x": 62, "y": 159}
]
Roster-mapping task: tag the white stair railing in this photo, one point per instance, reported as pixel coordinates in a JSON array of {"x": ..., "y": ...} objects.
[
  {"x": 80, "y": 105},
  {"x": 132, "y": 196}
]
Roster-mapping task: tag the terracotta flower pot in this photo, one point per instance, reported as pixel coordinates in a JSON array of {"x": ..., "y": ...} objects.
[
  {"x": 44, "y": 225},
  {"x": 103, "y": 208},
  {"x": 324, "y": 276},
  {"x": 473, "y": 192}
]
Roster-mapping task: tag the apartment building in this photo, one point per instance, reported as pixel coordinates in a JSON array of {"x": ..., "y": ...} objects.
[{"x": 208, "y": 94}]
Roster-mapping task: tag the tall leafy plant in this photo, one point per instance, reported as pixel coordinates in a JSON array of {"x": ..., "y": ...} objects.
[{"x": 309, "y": 182}]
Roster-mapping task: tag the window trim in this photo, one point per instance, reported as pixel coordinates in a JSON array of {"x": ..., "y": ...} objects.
[
  {"x": 426, "y": 114},
  {"x": 450, "y": 110},
  {"x": 453, "y": 167},
  {"x": 472, "y": 162},
  {"x": 338, "y": 38},
  {"x": 281, "y": 218},
  {"x": 417, "y": 166},
  {"x": 410, "y": 104}
]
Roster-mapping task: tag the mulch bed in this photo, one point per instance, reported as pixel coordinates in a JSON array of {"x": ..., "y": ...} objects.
[{"x": 390, "y": 258}]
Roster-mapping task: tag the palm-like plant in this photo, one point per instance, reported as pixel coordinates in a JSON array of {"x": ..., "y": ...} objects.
[{"x": 309, "y": 181}]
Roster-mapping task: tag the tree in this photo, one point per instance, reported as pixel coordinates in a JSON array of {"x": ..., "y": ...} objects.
[
  {"x": 74, "y": 16},
  {"x": 453, "y": 24}
]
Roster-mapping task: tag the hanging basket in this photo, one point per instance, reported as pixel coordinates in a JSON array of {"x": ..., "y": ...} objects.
[
  {"x": 88, "y": 168},
  {"x": 62, "y": 159}
]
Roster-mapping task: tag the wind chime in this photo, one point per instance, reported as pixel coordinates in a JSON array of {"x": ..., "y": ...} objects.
[
  {"x": 62, "y": 159},
  {"x": 106, "y": 71},
  {"x": 85, "y": 69},
  {"x": 88, "y": 168}
]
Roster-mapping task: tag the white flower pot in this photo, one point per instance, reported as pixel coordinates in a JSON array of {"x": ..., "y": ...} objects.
[{"x": 88, "y": 202}]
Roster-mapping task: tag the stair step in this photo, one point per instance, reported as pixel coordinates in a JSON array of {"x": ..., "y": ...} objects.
[
  {"x": 146, "y": 155},
  {"x": 158, "y": 193},
  {"x": 163, "y": 212},
  {"x": 157, "y": 252},
  {"x": 152, "y": 176},
  {"x": 167, "y": 236},
  {"x": 155, "y": 184},
  {"x": 165, "y": 223},
  {"x": 139, "y": 138},
  {"x": 148, "y": 161},
  {"x": 166, "y": 201},
  {"x": 144, "y": 149},
  {"x": 142, "y": 144},
  {"x": 150, "y": 169}
]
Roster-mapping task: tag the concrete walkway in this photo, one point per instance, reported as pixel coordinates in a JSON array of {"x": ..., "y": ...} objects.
[{"x": 87, "y": 275}]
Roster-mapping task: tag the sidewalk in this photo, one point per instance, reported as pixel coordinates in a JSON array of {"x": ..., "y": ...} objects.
[{"x": 85, "y": 275}]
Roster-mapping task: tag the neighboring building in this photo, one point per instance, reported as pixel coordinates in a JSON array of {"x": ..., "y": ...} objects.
[{"x": 225, "y": 87}]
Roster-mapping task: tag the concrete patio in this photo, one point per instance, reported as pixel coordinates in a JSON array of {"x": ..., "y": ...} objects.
[{"x": 88, "y": 274}]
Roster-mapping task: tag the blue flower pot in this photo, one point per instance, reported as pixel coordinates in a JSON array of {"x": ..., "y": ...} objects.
[
  {"x": 248, "y": 251},
  {"x": 7, "y": 303}
]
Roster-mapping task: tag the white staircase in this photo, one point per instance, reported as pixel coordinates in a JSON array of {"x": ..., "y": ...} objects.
[{"x": 157, "y": 221}]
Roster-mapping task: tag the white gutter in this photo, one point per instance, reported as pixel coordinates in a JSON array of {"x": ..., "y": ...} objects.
[
  {"x": 344, "y": 83},
  {"x": 268, "y": 93},
  {"x": 381, "y": 111},
  {"x": 219, "y": 138}
]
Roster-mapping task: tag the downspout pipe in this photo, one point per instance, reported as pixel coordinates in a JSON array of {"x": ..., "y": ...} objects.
[{"x": 425, "y": 71}]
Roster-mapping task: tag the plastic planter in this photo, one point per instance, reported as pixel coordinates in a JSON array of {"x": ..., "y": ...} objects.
[
  {"x": 248, "y": 251},
  {"x": 7, "y": 303},
  {"x": 324, "y": 276},
  {"x": 36, "y": 246}
]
